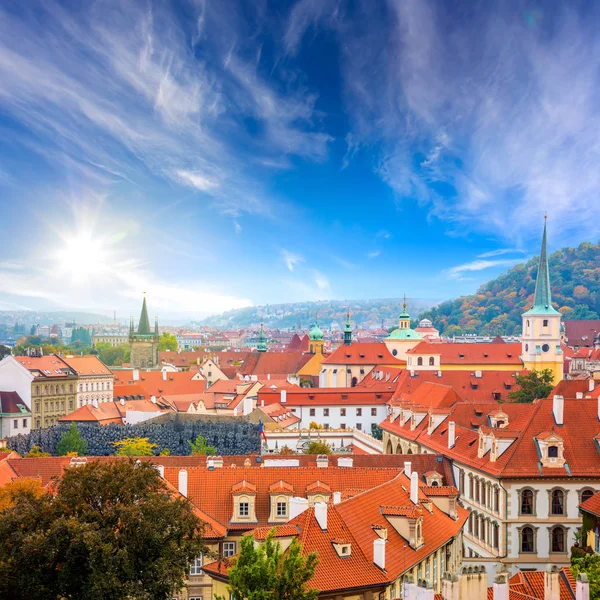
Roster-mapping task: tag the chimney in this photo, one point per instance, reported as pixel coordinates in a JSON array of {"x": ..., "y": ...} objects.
[
  {"x": 579, "y": 395},
  {"x": 450, "y": 587},
  {"x": 122, "y": 401},
  {"x": 337, "y": 497},
  {"x": 297, "y": 506},
  {"x": 136, "y": 374},
  {"x": 551, "y": 583},
  {"x": 283, "y": 396},
  {"x": 582, "y": 587},
  {"x": 183, "y": 482},
  {"x": 379, "y": 552},
  {"x": 345, "y": 461},
  {"x": 410, "y": 588},
  {"x": 472, "y": 583},
  {"x": 164, "y": 374},
  {"x": 321, "y": 515},
  {"x": 153, "y": 399},
  {"x": 322, "y": 461},
  {"x": 451, "y": 434},
  {"x": 414, "y": 487},
  {"x": 407, "y": 468},
  {"x": 210, "y": 463},
  {"x": 268, "y": 376},
  {"x": 425, "y": 590},
  {"x": 501, "y": 587},
  {"x": 161, "y": 470},
  {"x": 591, "y": 385},
  {"x": 558, "y": 407}
]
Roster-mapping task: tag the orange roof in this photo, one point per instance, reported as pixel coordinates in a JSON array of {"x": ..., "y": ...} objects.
[
  {"x": 431, "y": 394},
  {"x": 328, "y": 396},
  {"x": 185, "y": 359},
  {"x": 363, "y": 354},
  {"x": 154, "y": 383},
  {"x": 470, "y": 354},
  {"x": 87, "y": 365},
  {"x": 281, "y": 487},
  {"x": 110, "y": 412},
  {"x": 530, "y": 585},
  {"x": 276, "y": 364},
  {"x": 46, "y": 366},
  {"x": 592, "y": 505},
  {"x": 260, "y": 533}
]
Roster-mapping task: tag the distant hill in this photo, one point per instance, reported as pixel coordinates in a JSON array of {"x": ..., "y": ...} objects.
[
  {"x": 367, "y": 314},
  {"x": 497, "y": 306}
]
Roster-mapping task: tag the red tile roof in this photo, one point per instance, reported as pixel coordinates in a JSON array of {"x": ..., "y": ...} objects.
[
  {"x": 328, "y": 396},
  {"x": 11, "y": 404},
  {"x": 155, "y": 384},
  {"x": 592, "y": 505},
  {"x": 363, "y": 354},
  {"x": 581, "y": 333},
  {"x": 46, "y": 366},
  {"x": 87, "y": 365},
  {"x": 276, "y": 364},
  {"x": 471, "y": 354}
]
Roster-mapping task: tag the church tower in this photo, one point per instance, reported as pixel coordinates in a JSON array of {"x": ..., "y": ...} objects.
[
  {"x": 144, "y": 342},
  {"x": 402, "y": 339},
  {"x": 316, "y": 343},
  {"x": 540, "y": 340},
  {"x": 348, "y": 330},
  {"x": 262, "y": 340}
]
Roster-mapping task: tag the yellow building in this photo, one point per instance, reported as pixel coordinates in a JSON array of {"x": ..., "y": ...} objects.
[{"x": 540, "y": 340}]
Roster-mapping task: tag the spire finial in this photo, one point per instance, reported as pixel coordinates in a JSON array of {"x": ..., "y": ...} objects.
[{"x": 404, "y": 305}]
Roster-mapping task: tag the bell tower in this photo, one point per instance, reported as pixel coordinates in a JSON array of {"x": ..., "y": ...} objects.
[
  {"x": 540, "y": 340},
  {"x": 144, "y": 341}
]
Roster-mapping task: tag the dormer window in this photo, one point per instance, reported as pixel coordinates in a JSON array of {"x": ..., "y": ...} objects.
[
  {"x": 244, "y": 509},
  {"x": 342, "y": 547},
  {"x": 552, "y": 451},
  {"x": 282, "y": 509}
]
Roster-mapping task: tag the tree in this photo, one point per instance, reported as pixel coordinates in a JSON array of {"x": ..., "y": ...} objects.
[
  {"x": 109, "y": 530},
  {"x": 135, "y": 446},
  {"x": 201, "y": 448},
  {"x": 167, "y": 341},
  {"x": 318, "y": 447},
  {"x": 590, "y": 565},
  {"x": 265, "y": 571},
  {"x": 19, "y": 488},
  {"x": 72, "y": 442},
  {"x": 532, "y": 386},
  {"x": 376, "y": 431},
  {"x": 36, "y": 452}
]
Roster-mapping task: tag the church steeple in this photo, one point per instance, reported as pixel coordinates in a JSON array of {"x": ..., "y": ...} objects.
[
  {"x": 262, "y": 340},
  {"x": 144, "y": 323},
  {"x": 348, "y": 330},
  {"x": 542, "y": 300}
]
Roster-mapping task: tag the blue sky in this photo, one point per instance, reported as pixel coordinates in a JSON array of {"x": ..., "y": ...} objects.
[{"x": 217, "y": 154}]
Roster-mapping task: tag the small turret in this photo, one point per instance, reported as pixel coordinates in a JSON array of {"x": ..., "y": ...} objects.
[
  {"x": 348, "y": 330},
  {"x": 262, "y": 340}
]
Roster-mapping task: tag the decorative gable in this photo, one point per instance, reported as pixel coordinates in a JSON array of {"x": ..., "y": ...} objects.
[{"x": 551, "y": 448}]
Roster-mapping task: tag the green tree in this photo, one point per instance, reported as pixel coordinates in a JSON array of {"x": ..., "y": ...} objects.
[
  {"x": 110, "y": 531},
  {"x": 167, "y": 341},
  {"x": 532, "y": 386},
  {"x": 135, "y": 446},
  {"x": 199, "y": 447},
  {"x": 318, "y": 447},
  {"x": 264, "y": 572},
  {"x": 376, "y": 431},
  {"x": 590, "y": 565},
  {"x": 71, "y": 441}
]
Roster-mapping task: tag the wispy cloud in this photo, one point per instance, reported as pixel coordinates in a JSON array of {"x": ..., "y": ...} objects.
[
  {"x": 373, "y": 254},
  {"x": 499, "y": 252},
  {"x": 290, "y": 259},
  {"x": 480, "y": 265}
]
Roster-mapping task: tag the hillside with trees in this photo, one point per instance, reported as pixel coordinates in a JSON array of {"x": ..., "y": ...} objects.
[{"x": 497, "y": 306}]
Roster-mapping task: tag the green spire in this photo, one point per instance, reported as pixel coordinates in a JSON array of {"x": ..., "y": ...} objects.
[
  {"x": 348, "y": 330},
  {"x": 144, "y": 324},
  {"x": 315, "y": 334},
  {"x": 262, "y": 340},
  {"x": 542, "y": 300}
]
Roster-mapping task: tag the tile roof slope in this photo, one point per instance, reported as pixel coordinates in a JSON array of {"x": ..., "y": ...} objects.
[
  {"x": 431, "y": 394},
  {"x": 105, "y": 413},
  {"x": 363, "y": 354},
  {"x": 87, "y": 365},
  {"x": 531, "y": 584},
  {"x": 592, "y": 505},
  {"x": 570, "y": 387},
  {"x": 276, "y": 364},
  {"x": 464, "y": 383},
  {"x": 210, "y": 491},
  {"x": 455, "y": 354},
  {"x": 10, "y": 403},
  {"x": 47, "y": 366},
  {"x": 329, "y": 396},
  {"x": 153, "y": 384},
  {"x": 581, "y": 332}
]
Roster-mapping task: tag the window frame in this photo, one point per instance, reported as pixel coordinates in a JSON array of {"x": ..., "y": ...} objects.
[
  {"x": 533, "y": 539},
  {"x": 283, "y": 505},
  {"x": 246, "y": 509},
  {"x": 563, "y": 532},
  {"x": 194, "y": 568},
  {"x": 228, "y": 549},
  {"x": 533, "y": 502}
]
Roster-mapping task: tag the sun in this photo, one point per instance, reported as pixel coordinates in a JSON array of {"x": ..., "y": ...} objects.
[{"x": 82, "y": 256}]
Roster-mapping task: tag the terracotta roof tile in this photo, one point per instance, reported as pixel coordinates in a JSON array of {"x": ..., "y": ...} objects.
[
  {"x": 363, "y": 354},
  {"x": 471, "y": 354}
]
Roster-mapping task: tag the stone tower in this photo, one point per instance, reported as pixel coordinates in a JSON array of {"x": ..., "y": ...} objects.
[
  {"x": 540, "y": 341},
  {"x": 144, "y": 342}
]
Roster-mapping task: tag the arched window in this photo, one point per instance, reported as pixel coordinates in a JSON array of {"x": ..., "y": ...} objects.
[
  {"x": 557, "y": 541},
  {"x": 586, "y": 495},
  {"x": 420, "y": 361},
  {"x": 552, "y": 451},
  {"x": 434, "y": 484},
  {"x": 527, "y": 539},
  {"x": 496, "y": 506},
  {"x": 557, "y": 504},
  {"x": 526, "y": 502},
  {"x": 354, "y": 381},
  {"x": 431, "y": 361}
]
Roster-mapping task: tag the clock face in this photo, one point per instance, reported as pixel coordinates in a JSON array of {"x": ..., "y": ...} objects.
[{"x": 545, "y": 348}]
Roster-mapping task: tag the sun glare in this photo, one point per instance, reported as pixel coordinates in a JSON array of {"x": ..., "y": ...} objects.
[{"x": 82, "y": 255}]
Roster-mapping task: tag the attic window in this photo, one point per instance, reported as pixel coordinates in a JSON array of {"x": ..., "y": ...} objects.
[
  {"x": 474, "y": 386},
  {"x": 509, "y": 355},
  {"x": 496, "y": 395},
  {"x": 362, "y": 355},
  {"x": 461, "y": 356},
  {"x": 344, "y": 396},
  {"x": 471, "y": 443},
  {"x": 311, "y": 396},
  {"x": 378, "y": 396},
  {"x": 486, "y": 355},
  {"x": 508, "y": 386},
  {"x": 478, "y": 413},
  {"x": 380, "y": 356}
]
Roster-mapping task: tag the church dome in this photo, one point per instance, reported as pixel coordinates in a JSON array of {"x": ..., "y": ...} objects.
[{"x": 315, "y": 334}]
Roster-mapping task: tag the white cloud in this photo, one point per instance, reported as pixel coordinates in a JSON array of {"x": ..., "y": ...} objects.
[
  {"x": 499, "y": 252},
  {"x": 480, "y": 265},
  {"x": 197, "y": 180},
  {"x": 373, "y": 254},
  {"x": 290, "y": 259}
]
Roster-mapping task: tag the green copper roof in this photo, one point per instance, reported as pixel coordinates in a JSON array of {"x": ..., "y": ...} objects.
[
  {"x": 144, "y": 324},
  {"x": 542, "y": 300},
  {"x": 348, "y": 327},
  {"x": 262, "y": 340},
  {"x": 315, "y": 333},
  {"x": 404, "y": 334},
  {"x": 404, "y": 315}
]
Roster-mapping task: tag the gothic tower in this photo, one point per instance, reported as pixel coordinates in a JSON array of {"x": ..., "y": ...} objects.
[
  {"x": 144, "y": 341},
  {"x": 540, "y": 341},
  {"x": 262, "y": 340},
  {"x": 348, "y": 330}
]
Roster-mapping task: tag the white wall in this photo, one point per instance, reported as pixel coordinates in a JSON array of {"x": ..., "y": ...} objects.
[
  {"x": 14, "y": 377},
  {"x": 7, "y": 425},
  {"x": 335, "y": 418}
]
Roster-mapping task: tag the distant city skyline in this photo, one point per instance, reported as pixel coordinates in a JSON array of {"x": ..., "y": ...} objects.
[{"x": 218, "y": 155}]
